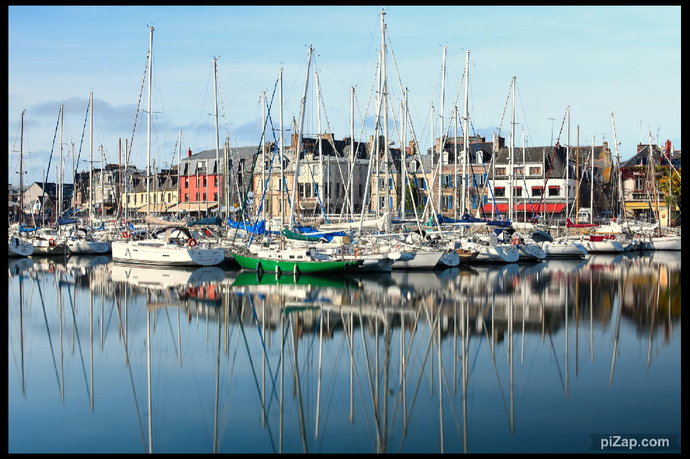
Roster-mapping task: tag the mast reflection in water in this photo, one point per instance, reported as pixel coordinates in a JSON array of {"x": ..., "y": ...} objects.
[{"x": 510, "y": 358}]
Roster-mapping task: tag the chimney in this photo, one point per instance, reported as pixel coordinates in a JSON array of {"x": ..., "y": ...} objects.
[{"x": 189, "y": 153}]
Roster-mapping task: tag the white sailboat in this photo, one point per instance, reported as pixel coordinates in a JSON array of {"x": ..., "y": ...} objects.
[{"x": 170, "y": 251}]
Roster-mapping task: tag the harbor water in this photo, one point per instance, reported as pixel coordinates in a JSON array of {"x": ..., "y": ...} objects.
[{"x": 515, "y": 358}]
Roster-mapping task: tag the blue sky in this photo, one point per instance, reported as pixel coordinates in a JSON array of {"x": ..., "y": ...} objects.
[{"x": 597, "y": 60}]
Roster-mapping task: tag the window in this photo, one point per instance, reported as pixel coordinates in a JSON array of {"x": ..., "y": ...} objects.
[
  {"x": 197, "y": 181},
  {"x": 186, "y": 197},
  {"x": 517, "y": 191},
  {"x": 639, "y": 183},
  {"x": 196, "y": 198},
  {"x": 554, "y": 191},
  {"x": 204, "y": 181},
  {"x": 186, "y": 182},
  {"x": 517, "y": 170},
  {"x": 360, "y": 190},
  {"x": 499, "y": 191},
  {"x": 215, "y": 197},
  {"x": 215, "y": 181},
  {"x": 535, "y": 171},
  {"x": 154, "y": 198},
  {"x": 500, "y": 171},
  {"x": 135, "y": 199},
  {"x": 169, "y": 197},
  {"x": 447, "y": 202},
  {"x": 204, "y": 197},
  {"x": 537, "y": 190},
  {"x": 301, "y": 190},
  {"x": 448, "y": 180}
]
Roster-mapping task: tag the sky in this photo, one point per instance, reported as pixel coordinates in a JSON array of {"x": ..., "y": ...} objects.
[{"x": 590, "y": 61}]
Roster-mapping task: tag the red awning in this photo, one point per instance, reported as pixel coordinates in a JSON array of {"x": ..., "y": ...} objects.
[
  {"x": 499, "y": 207},
  {"x": 539, "y": 208}
]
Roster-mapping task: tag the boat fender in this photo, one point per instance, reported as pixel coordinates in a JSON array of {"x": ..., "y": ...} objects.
[
  {"x": 191, "y": 242},
  {"x": 51, "y": 242},
  {"x": 191, "y": 291},
  {"x": 515, "y": 242},
  {"x": 125, "y": 234},
  {"x": 279, "y": 272},
  {"x": 295, "y": 271}
]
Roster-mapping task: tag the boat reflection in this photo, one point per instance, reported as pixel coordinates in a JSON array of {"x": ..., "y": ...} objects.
[{"x": 338, "y": 363}]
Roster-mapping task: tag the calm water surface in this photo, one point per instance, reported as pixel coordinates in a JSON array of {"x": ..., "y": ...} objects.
[{"x": 110, "y": 358}]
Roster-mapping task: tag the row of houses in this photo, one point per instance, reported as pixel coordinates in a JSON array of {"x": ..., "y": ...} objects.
[{"x": 333, "y": 173}]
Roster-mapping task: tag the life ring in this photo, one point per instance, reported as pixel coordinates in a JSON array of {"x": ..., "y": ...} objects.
[
  {"x": 51, "y": 242},
  {"x": 191, "y": 242},
  {"x": 515, "y": 242},
  {"x": 125, "y": 234},
  {"x": 663, "y": 215},
  {"x": 191, "y": 291}
]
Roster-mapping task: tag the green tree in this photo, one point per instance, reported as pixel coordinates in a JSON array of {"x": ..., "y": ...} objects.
[{"x": 675, "y": 188}]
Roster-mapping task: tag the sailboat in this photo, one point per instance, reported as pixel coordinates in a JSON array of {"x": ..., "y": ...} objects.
[
  {"x": 20, "y": 247},
  {"x": 182, "y": 250},
  {"x": 293, "y": 259}
]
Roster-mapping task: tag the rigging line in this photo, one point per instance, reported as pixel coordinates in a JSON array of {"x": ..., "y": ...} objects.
[
  {"x": 172, "y": 334},
  {"x": 522, "y": 397},
  {"x": 74, "y": 318},
  {"x": 560, "y": 375},
  {"x": 553, "y": 156},
  {"x": 129, "y": 368},
  {"x": 263, "y": 343},
  {"x": 256, "y": 382},
  {"x": 419, "y": 381},
  {"x": 50, "y": 341},
  {"x": 350, "y": 341},
  {"x": 445, "y": 378},
  {"x": 486, "y": 182},
  {"x": 500, "y": 388},
  {"x": 227, "y": 392},
  {"x": 50, "y": 158},
  {"x": 529, "y": 135},
  {"x": 331, "y": 392},
  {"x": 136, "y": 113},
  {"x": 243, "y": 210},
  {"x": 369, "y": 377},
  {"x": 280, "y": 362},
  {"x": 505, "y": 108}
]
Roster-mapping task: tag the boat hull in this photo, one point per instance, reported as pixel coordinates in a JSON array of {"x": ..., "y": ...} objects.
[
  {"x": 256, "y": 263},
  {"x": 563, "y": 250},
  {"x": 157, "y": 253},
  {"x": 662, "y": 243},
  {"x": 423, "y": 259},
  {"x": 18, "y": 248},
  {"x": 82, "y": 247}
]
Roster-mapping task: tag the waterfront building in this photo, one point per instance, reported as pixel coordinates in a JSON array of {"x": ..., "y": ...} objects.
[{"x": 639, "y": 196}]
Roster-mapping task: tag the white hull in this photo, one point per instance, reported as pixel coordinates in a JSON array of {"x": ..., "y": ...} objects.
[
  {"x": 83, "y": 247},
  {"x": 501, "y": 253},
  {"x": 531, "y": 252},
  {"x": 606, "y": 246},
  {"x": 19, "y": 248},
  {"x": 423, "y": 259},
  {"x": 662, "y": 243},
  {"x": 563, "y": 249},
  {"x": 159, "y": 253}
]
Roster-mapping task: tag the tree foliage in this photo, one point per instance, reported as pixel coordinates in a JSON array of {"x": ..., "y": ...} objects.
[{"x": 675, "y": 188}]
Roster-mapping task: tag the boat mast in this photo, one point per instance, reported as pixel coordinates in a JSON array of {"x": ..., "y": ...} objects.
[
  {"x": 91, "y": 161},
  {"x": 567, "y": 166},
  {"x": 577, "y": 185},
  {"x": 179, "y": 152},
  {"x": 512, "y": 153},
  {"x": 217, "y": 174},
  {"x": 282, "y": 170},
  {"x": 21, "y": 173},
  {"x": 352, "y": 154},
  {"x": 295, "y": 182},
  {"x": 148, "y": 129},
  {"x": 384, "y": 90},
  {"x": 591, "y": 187},
  {"x": 455, "y": 159},
  {"x": 524, "y": 204},
  {"x": 263, "y": 151},
  {"x": 59, "y": 206},
  {"x": 321, "y": 191},
  {"x": 621, "y": 198},
  {"x": 440, "y": 149},
  {"x": 656, "y": 195},
  {"x": 466, "y": 140}
]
